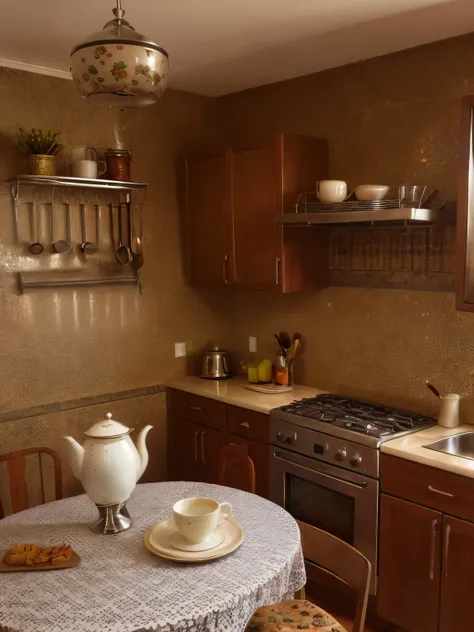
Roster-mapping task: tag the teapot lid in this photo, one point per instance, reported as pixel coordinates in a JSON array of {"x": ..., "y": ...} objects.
[{"x": 107, "y": 429}]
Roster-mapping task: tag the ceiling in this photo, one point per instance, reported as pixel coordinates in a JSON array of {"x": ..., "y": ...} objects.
[{"x": 222, "y": 46}]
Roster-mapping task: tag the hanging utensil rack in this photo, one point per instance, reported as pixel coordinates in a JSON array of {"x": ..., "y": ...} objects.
[{"x": 36, "y": 280}]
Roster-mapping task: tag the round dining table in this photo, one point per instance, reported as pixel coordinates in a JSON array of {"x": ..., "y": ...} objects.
[{"x": 119, "y": 586}]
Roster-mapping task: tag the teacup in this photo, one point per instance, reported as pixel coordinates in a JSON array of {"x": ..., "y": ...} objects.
[
  {"x": 87, "y": 169},
  {"x": 331, "y": 191},
  {"x": 196, "y": 518}
]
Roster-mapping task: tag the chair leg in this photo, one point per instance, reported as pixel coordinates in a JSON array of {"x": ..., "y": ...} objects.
[{"x": 300, "y": 594}]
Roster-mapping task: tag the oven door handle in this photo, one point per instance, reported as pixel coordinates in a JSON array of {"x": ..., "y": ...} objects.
[{"x": 278, "y": 456}]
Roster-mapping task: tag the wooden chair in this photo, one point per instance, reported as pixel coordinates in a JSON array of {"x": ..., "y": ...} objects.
[
  {"x": 337, "y": 558},
  {"x": 236, "y": 468},
  {"x": 16, "y": 465}
]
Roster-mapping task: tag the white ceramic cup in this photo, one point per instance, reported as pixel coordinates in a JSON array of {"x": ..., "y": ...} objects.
[
  {"x": 83, "y": 153},
  {"x": 331, "y": 190},
  {"x": 196, "y": 518},
  {"x": 86, "y": 169}
]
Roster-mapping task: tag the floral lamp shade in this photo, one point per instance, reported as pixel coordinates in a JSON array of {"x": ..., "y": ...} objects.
[{"x": 119, "y": 67}]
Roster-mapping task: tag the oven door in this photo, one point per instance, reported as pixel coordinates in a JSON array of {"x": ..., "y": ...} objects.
[{"x": 338, "y": 501}]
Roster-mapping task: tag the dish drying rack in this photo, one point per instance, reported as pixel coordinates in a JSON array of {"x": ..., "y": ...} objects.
[{"x": 308, "y": 202}]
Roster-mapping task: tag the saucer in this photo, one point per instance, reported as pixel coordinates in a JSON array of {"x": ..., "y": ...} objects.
[
  {"x": 157, "y": 541},
  {"x": 178, "y": 541}
]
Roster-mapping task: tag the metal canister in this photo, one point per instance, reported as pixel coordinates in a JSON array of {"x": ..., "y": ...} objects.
[{"x": 118, "y": 164}]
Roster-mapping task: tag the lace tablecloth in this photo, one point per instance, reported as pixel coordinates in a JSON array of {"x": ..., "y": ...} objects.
[{"x": 121, "y": 587}]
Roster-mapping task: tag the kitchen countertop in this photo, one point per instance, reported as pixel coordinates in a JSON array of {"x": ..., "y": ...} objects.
[
  {"x": 410, "y": 447},
  {"x": 233, "y": 392}
]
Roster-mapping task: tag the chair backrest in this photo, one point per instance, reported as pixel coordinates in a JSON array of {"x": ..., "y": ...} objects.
[
  {"x": 17, "y": 470},
  {"x": 343, "y": 561},
  {"x": 236, "y": 468}
]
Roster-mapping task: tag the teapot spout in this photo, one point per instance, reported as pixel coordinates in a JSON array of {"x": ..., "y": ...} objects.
[
  {"x": 76, "y": 456},
  {"x": 142, "y": 450}
]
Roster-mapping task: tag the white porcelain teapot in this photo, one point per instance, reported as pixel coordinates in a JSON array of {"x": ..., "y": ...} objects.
[{"x": 108, "y": 464}]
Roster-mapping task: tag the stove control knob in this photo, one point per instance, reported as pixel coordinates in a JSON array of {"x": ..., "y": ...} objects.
[
  {"x": 356, "y": 460},
  {"x": 341, "y": 454},
  {"x": 292, "y": 438},
  {"x": 281, "y": 437}
]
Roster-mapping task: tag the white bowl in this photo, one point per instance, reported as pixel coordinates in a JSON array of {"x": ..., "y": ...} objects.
[{"x": 371, "y": 192}]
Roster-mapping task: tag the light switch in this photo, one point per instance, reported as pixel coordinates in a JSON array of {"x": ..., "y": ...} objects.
[
  {"x": 253, "y": 344},
  {"x": 179, "y": 349}
]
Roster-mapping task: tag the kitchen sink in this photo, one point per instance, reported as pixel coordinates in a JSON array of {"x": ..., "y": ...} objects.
[{"x": 458, "y": 445}]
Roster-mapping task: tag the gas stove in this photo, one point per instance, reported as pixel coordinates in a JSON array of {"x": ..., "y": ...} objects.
[
  {"x": 346, "y": 432},
  {"x": 379, "y": 422}
]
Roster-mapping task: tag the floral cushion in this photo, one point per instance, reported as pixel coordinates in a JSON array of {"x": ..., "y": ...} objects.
[{"x": 292, "y": 615}]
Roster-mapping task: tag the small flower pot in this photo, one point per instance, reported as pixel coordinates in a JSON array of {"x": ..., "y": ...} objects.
[{"x": 42, "y": 165}]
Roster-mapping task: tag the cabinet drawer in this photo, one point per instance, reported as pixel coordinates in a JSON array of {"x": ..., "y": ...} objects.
[
  {"x": 428, "y": 486},
  {"x": 201, "y": 410},
  {"x": 248, "y": 424}
]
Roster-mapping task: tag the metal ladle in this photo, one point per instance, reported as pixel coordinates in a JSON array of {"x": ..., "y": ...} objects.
[
  {"x": 62, "y": 246},
  {"x": 87, "y": 247},
  {"x": 36, "y": 248},
  {"x": 122, "y": 252}
]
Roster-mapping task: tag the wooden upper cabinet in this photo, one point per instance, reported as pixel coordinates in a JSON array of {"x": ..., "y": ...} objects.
[
  {"x": 457, "y": 579},
  {"x": 409, "y": 565},
  {"x": 465, "y": 211},
  {"x": 231, "y": 200},
  {"x": 267, "y": 177},
  {"x": 208, "y": 216}
]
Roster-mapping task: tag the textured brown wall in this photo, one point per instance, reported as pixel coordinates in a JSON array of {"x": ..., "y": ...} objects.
[
  {"x": 67, "y": 343},
  {"x": 390, "y": 119}
]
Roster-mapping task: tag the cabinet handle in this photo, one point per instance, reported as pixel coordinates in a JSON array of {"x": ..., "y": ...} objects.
[
  {"x": 196, "y": 458},
  {"x": 434, "y": 524},
  {"x": 277, "y": 270},
  {"x": 245, "y": 424},
  {"x": 224, "y": 269},
  {"x": 196, "y": 408},
  {"x": 446, "y": 549},
  {"x": 203, "y": 452},
  {"x": 438, "y": 491}
]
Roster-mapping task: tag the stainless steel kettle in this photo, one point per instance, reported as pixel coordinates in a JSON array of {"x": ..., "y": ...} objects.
[{"x": 216, "y": 364}]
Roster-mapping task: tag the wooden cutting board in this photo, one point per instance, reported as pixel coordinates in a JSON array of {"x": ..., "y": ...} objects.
[{"x": 72, "y": 563}]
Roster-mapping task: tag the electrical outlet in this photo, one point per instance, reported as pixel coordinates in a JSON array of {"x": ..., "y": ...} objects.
[
  {"x": 179, "y": 349},
  {"x": 253, "y": 344}
]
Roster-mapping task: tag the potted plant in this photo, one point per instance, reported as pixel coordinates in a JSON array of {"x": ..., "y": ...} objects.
[{"x": 41, "y": 149}]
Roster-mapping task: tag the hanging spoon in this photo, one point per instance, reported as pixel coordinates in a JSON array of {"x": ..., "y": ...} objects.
[
  {"x": 88, "y": 248},
  {"x": 36, "y": 248},
  {"x": 122, "y": 253},
  {"x": 61, "y": 246},
  {"x": 433, "y": 389}
]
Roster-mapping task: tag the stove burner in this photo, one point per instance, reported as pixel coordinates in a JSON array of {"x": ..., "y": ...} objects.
[{"x": 360, "y": 417}]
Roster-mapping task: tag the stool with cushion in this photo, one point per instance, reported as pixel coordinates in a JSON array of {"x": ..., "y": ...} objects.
[{"x": 337, "y": 558}]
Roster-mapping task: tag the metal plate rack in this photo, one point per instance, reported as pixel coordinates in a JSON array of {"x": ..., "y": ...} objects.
[{"x": 46, "y": 207}]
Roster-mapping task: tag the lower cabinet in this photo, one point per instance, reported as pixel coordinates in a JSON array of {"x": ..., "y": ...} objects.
[
  {"x": 457, "y": 579},
  {"x": 194, "y": 451},
  {"x": 409, "y": 565},
  {"x": 426, "y": 568}
]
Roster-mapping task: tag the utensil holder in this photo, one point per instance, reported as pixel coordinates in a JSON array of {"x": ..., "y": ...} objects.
[{"x": 449, "y": 411}]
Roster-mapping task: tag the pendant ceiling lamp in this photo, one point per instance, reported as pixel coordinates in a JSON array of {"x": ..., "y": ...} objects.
[{"x": 119, "y": 67}]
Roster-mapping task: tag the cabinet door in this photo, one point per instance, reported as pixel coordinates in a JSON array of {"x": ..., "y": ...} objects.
[
  {"x": 184, "y": 452},
  {"x": 208, "y": 217},
  {"x": 260, "y": 455},
  {"x": 256, "y": 253},
  {"x": 409, "y": 565},
  {"x": 457, "y": 580},
  {"x": 211, "y": 442}
]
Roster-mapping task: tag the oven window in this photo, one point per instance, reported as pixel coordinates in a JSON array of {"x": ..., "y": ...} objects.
[{"x": 320, "y": 507}]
